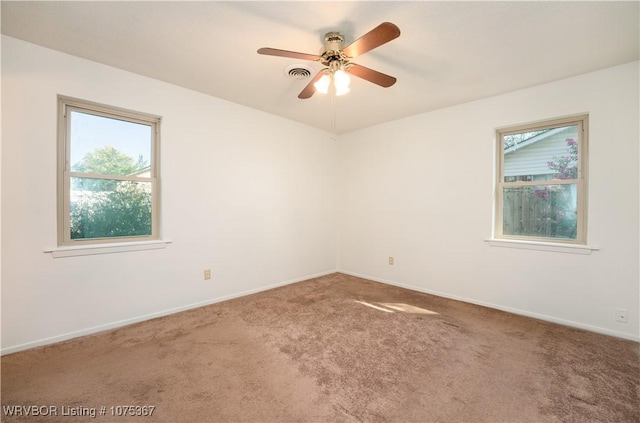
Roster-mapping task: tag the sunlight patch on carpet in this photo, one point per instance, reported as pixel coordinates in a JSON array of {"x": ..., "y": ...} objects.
[{"x": 405, "y": 308}]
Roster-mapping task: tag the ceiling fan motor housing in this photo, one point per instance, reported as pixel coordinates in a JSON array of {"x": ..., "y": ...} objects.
[{"x": 333, "y": 45}]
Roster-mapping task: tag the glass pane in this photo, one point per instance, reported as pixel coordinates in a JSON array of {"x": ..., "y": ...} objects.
[
  {"x": 542, "y": 211},
  {"x": 541, "y": 155},
  {"x": 108, "y": 208},
  {"x": 109, "y": 146}
]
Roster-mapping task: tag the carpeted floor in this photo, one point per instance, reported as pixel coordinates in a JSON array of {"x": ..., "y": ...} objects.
[{"x": 331, "y": 349}]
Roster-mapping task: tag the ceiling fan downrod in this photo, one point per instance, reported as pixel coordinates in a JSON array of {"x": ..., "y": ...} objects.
[{"x": 332, "y": 49}]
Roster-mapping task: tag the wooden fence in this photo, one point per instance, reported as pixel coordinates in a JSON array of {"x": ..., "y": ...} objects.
[{"x": 539, "y": 211}]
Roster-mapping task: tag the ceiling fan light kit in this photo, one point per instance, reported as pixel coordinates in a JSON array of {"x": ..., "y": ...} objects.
[
  {"x": 322, "y": 84},
  {"x": 341, "y": 81},
  {"x": 334, "y": 74},
  {"x": 337, "y": 60}
]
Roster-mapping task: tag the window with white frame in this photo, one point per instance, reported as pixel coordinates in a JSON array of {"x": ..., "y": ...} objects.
[
  {"x": 107, "y": 174},
  {"x": 541, "y": 184}
]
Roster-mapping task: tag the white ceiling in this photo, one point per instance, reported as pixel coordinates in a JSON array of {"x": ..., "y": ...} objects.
[{"x": 448, "y": 52}]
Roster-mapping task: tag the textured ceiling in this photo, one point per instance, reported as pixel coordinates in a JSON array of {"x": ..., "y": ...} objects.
[{"x": 448, "y": 53}]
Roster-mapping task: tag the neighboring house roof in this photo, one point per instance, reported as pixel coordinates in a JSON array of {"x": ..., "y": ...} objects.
[
  {"x": 144, "y": 172},
  {"x": 531, "y": 140}
]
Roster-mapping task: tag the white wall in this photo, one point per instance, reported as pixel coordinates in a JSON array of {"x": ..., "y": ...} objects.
[
  {"x": 421, "y": 189},
  {"x": 262, "y": 201},
  {"x": 245, "y": 193}
]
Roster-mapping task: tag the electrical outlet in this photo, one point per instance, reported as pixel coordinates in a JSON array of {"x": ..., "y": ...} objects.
[
  {"x": 622, "y": 315},
  {"x": 391, "y": 261},
  {"x": 207, "y": 274}
]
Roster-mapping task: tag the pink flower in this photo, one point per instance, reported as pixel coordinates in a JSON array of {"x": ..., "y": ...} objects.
[{"x": 542, "y": 193}]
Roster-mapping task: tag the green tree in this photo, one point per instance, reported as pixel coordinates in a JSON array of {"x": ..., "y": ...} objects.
[
  {"x": 109, "y": 161},
  {"x": 104, "y": 208},
  {"x": 105, "y": 161}
]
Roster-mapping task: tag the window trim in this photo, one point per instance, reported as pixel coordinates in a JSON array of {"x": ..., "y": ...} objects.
[
  {"x": 582, "y": 120},
  {"x": 64, "y": 173}
]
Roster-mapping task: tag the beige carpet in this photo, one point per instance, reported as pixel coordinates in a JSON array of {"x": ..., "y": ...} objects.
[{"x": 333, "y": 349}]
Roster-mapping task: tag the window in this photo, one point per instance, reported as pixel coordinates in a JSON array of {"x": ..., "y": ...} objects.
[
  {"x": 107, "y": 174},
  {"x": 542, "y": 181}
]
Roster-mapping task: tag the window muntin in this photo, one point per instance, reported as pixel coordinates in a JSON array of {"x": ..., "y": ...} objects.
[
  {"x": 108, "y": 173},
  {"x": 541, "y": 181}
]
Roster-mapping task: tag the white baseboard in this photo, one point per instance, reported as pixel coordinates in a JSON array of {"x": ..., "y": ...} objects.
[
  {"x": 525, "y": 313},
  {"x": 125, "y": 322}
]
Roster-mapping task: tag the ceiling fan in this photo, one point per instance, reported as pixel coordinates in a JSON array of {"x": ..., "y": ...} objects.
[{"x": 338, "y": 58}]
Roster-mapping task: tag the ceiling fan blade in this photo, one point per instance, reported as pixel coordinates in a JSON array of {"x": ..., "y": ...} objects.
[
  {"x": 286, "y": 53},
  {"x": 378, "y": 36},
  {"x": 310, "y": 89},
  {"x": 371, "y": 75}
]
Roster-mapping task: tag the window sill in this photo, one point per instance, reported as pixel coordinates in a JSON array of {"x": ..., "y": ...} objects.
[
  {"x": 87, "y": 250},
  {"x": 542, "y": 246}
]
